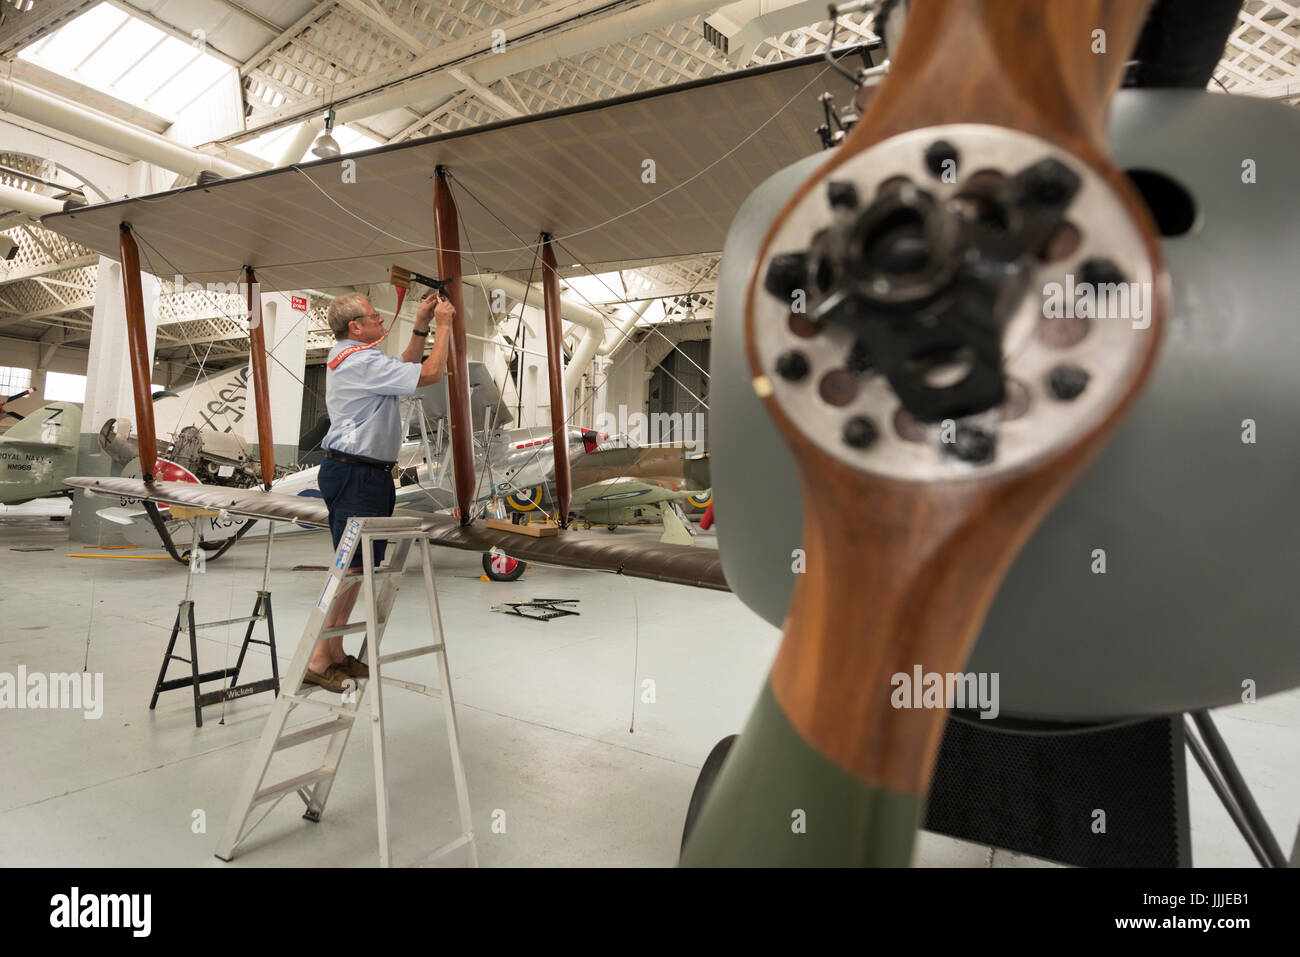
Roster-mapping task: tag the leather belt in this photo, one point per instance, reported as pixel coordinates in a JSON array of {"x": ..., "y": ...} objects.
[{"x": 358, "y": 460}]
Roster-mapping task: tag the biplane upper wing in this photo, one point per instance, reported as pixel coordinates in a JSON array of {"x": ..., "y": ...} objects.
[
  {"x": 676, "y": 564},
  {"x": 650, "y": 176}
]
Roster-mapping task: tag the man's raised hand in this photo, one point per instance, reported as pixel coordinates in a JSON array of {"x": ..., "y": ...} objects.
[{"x": 425, "y": 313}]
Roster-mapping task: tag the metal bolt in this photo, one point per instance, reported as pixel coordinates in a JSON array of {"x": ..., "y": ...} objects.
[
  {"x": 792, "y": 365},
  {"x": 972, "y": 443},
  {"x": 1049, "y": 183},
  {"x": 860, "y": 432},
  {"x": 1067, "y": 381},
  {"x": 786, "y": 273},
  {"x": 937, "y": 154},
  {"x": 842, "y": 195}
]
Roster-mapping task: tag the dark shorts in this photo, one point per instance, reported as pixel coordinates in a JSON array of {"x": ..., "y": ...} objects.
[{"x": 356, "y": 491}]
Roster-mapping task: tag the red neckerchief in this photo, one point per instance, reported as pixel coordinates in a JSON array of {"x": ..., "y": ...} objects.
[{"x": 334, "y": 363}]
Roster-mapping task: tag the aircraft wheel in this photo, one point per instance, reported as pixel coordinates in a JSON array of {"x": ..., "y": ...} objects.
[
  {"x": 502, "y": 568},
  {"x": 586, "y": 524},
  {"x": 612, "y": 528},
  {"x": 704, "y": 783}
]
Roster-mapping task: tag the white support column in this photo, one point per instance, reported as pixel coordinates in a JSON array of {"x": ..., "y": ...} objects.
[
  {"x": 286, "y": 344},
  {"x": 600, "y": 371},
  {"x": 532, "y": 389},
  {"x": 108, "y": 389},
  {"x": 478, "y": 321}
]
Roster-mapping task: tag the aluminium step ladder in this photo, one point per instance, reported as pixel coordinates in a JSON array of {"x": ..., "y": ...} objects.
[{"x": 337, "y": 720}]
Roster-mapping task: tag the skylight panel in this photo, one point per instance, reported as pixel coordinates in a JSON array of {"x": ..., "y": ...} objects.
[
  {"x": 75, "y": 40},
  {"x": 110, "y": 60},
  {"x": 115, "y": 53},
  {"x": 201, "y": 76},
  {"x": 160, "y": 66}
]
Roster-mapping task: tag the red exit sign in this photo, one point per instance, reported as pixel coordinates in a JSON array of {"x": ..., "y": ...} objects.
[{"x": 299, "y": 303}]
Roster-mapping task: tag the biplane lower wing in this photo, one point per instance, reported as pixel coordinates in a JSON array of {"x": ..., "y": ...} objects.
[{"x": 675, "y": 564}]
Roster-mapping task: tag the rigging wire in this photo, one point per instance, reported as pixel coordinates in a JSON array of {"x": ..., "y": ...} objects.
[
  {"x": 626, "y": 336},
  {"x": 189, "y": 345},
  {"x": 222, "y": 312},
  {"x": 590, "y": 304}
]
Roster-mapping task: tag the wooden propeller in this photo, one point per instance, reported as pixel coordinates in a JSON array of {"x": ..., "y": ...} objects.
[{"x": 906, "y": 544}]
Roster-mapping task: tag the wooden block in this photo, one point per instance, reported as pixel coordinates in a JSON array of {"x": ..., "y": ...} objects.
[
  {"x": 535, "y": 531},
  {"x": 185, "y": 513}
]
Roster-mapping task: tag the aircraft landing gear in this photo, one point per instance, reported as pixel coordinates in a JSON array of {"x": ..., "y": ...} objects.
[
  {"x": 502, "y": 568},
  {"x": 704, "y": 783}
]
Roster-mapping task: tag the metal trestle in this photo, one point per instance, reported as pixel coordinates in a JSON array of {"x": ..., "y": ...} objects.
[{"x": 185, "y": 621}]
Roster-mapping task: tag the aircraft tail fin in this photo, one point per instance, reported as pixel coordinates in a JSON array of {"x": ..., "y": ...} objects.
[
  {"x": 53, "y": 424},
  {"x": 675, "y": 532}
]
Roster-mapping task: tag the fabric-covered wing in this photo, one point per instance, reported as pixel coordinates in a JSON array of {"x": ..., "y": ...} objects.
[
  {"x": 676, "y": 564},
  {"x": 578, "y": 173}
]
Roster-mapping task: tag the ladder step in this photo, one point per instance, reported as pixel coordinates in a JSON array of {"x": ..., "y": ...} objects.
[
  {"x": 293, "y": 784},
  {"x": 350, "y": 628},
  {"x": 412, "y": 653},
  {"x": 412, "y": 686},
  {"x": 295, "y": 738},
  {"x": 336, "y": 709}
]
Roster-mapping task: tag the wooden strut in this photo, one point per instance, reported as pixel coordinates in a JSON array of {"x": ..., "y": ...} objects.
[
  {"x": 138, "y": 353},
  {"x": 555, "y": 373},
  {"x": 261, "y": 388},
  {"x": 447, "y": 230}
]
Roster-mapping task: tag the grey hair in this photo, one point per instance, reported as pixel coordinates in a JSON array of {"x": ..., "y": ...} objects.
[{"x": 343, "y": 310}]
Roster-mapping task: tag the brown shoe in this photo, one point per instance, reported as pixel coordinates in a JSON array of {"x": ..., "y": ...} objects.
[
  {"x": 331, "y": 679},
  {"x": 353, "y": 667}
]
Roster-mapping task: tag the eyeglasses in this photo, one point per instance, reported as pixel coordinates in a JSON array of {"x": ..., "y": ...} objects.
[{"x": 369, "y": 315}]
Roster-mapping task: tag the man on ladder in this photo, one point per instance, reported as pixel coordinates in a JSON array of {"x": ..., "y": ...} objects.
[{"x": 362, "y": 386}]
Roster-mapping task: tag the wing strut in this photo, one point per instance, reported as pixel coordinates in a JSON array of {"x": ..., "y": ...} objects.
[
  {"x": 447, "y": 229},
  {"x": 261, "y": 388},
  {"x": 555, "y": 373},
  {"x": 138, "y": 347}
]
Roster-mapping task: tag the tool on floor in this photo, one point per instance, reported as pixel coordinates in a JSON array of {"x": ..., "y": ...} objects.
[
  {"x": 185, "y": 619},
  {"x": 546, "y": 608},
  {"x": 313, "y": 787}
]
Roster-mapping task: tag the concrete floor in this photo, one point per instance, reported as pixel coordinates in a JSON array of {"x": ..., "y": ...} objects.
[{"x": 544, "y": 711}]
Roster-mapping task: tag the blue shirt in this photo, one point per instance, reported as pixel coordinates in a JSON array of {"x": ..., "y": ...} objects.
[{"x": 361, "y": 398}]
